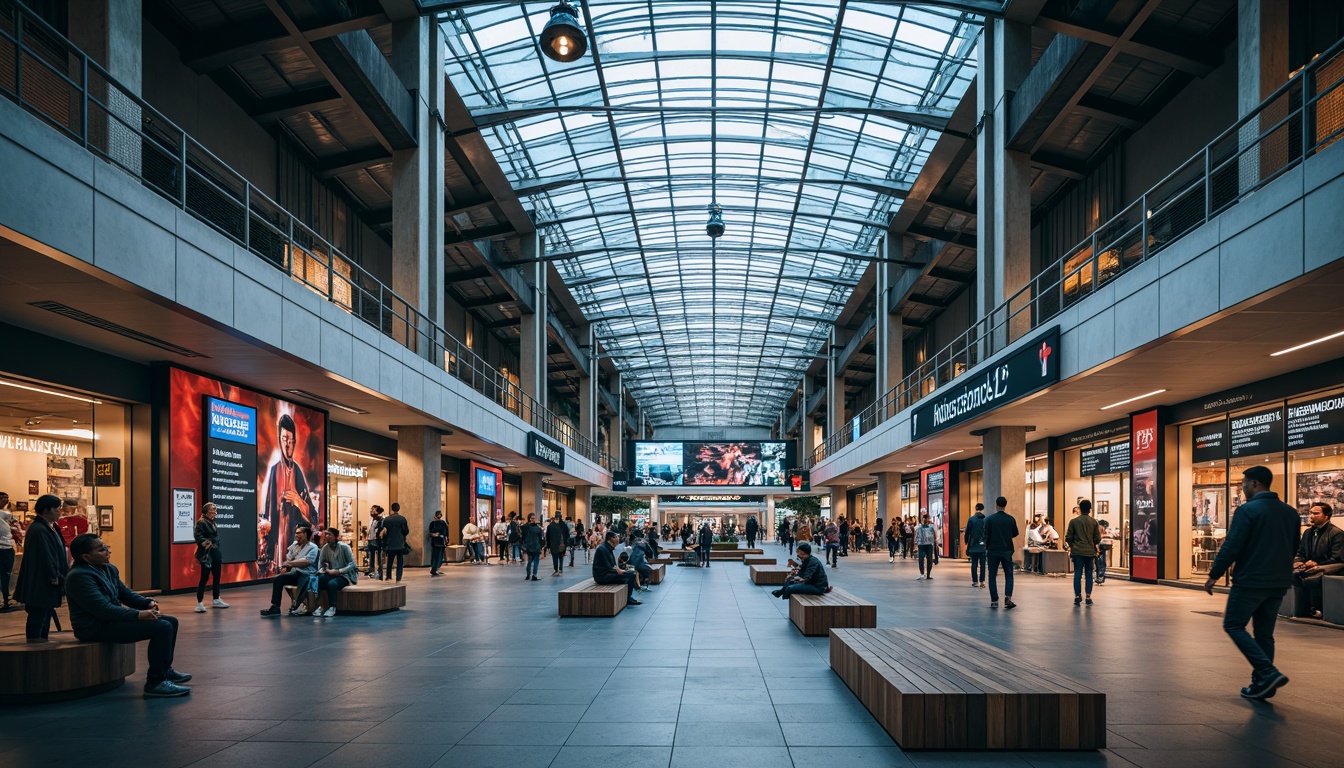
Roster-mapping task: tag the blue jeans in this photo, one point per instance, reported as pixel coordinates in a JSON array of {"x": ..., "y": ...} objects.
[
  {"x": 799, "y": 588},
  {"x": 977, "y": 567},
  {"x": 1081, "y": 564},
  {"x": 832, "y": 553},
  {"x": 1101, "y": 565},
  {"x": 892, "y": 545},
  {"x": 1261, "y": 608},
  {"x": 999, "y": 560},
  {"x": 926, "y": 557},
  {"x": 533, "y": 560},
  {"x": 515, "y": 551}
]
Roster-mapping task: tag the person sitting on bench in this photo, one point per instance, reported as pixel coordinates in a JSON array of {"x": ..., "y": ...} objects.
[
  {"x": 104, "y": 610},
  {"x": 808, "y": 579},
  {"x": 299, "y": 567},
  {"x": 337, "y": 569},
  {"x": 639, "y": 561},
  {"x": 607, "y": 571}
]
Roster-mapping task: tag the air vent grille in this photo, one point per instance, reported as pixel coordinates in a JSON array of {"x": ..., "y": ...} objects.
[{"x": 111, "y": 327}]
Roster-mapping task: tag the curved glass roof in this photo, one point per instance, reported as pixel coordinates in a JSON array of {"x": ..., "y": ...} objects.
[{"x": 806, "y": 120}]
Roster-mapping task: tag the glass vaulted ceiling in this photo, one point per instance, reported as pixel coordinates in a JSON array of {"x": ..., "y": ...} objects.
[{"x": 807, "y": 120}]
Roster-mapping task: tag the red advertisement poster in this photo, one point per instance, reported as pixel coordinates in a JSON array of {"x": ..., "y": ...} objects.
[
  {"x": 1146, "y": 512},
  {"x": 269, "y": 494}
]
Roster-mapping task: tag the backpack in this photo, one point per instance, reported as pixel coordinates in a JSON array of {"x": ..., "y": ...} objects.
[{"x": 515, "y": 535}]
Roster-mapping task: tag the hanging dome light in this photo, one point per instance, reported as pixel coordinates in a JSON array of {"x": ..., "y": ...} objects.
[
  {"x": 563, "y": 39},
  {"x": 715, "y": 226}
]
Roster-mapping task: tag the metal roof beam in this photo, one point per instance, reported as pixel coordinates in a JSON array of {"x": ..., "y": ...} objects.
[
  {"x": 880, "y": 186},
  {"x": 856, "y": 343},
  {"x": 359, "y": 159},
  {"x": 568, "y": 346},
  {"x": 269, "y": 110},
  {"x": 487, "y": 301},
  {"x": 259, "y": 38},
  {"x": 727, "y": 211},
  {"x": 488, "y": 118},
  {"x": 480, "y": 233},
  {"x": 1185, "y": 55},
  {"x": 978, "y": 7}
]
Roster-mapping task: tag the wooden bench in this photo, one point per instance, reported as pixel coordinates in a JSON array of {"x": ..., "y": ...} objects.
[
  {"x": 772, "y": 575},
  {"x": 363, "y": 597},
  {"x": 815, "y": 615},
  {"x": 758, "y": 560},
  {"x": 61, "y": 669},
  {"x": 940, "y": 689},
  {"x": 588, "y": 598},
  {"x": 659, "y": 571},
  {"x": 732, "y": 554}
]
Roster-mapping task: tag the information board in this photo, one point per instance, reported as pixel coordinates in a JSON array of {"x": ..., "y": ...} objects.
[
  {"x": 1210, "y": 441},
  {"x": 1316, "y": 422},
  {"x": 231, "y": 476},
  {"x": 1094, "y": 461},
  {"x": 1258, "y": 432}
]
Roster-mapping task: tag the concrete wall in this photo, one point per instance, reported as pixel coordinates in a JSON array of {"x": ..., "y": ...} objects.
[
  {"x": 63, "y": 197},
  {"x": 1279, "y": 234}
]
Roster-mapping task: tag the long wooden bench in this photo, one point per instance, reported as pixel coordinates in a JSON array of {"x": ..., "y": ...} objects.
[
  {"x": 935, "y": 688},
  {"x": 772, "y": 575},
  {"x": 61, "y": 669},
  {"x": 364, "y": 597},
  {"x": 815, "y": 615},
  {"x": 758, "y": 560},
  {"x": 732, "y": 554},
  {"x": 588, "y": 598}
]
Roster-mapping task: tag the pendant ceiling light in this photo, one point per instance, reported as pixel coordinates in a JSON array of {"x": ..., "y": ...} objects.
[
  {"x": 563, "y": 39},
  {"x": 715, "y": 226}
]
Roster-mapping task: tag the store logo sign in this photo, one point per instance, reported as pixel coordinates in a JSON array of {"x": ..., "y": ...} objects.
[
  {"x": 29, "y": 445},
  {"x": 345, "y": 470},
  {"x": 1145, "y": 439},
  {"x": 545, "y": 451}
]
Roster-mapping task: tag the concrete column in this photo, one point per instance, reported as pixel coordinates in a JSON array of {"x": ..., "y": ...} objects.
[
  {"x": 768, "y": 524},
  {"x": 583, "y": 502},
  {"x": 417, "y": 176},
  {"x": 890, "y": 329},
  {"x": 1262, "y": 66},
  {"x": 1003, "y": 210},
  {"x": 807, "y": 426},
  {"x": 1005, "y": 475},
  {"x": 111, "y": 33},
  {"x": 617, "y": 433},
  {"x": 888, "y": 496},
  {"x": 588, "y": 391},
  {"x": 532, "y": 496},
  {"x": 532, "y": 345},
  {"x": 835, "y": 386},
  {"x": 839, "y": 502},
  {"x": 419, "y": 471},
  {"x": 654, "y": 514}
]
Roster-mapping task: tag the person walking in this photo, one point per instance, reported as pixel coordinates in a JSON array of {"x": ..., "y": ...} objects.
[
  {"x": 1260, "y": 544},
  {"x": 515, "y": 539},
  {"x": 438, "y": 542},
  {"x": 1000, "y": 531},
  {"x": 374, "y": 542},
  {"x": 831, "y": 537},
  {"x": 843, "y": 532},
  {"x": 1083, "y": 539},
  {"x": 975, "y": 545},
  {"x": 802, "y": 533},
  {"x": 557, "y": 538},
  {"x": 753, "y": 528},
  {"x": 500, "y": 532},
  {"x": 532, "y": 540},
  {"x": 926, "y": 536},
  {"x": 9, "y": 528},
  {"x": 893, "y": 536},
  {"x": 1103, "y": 550},
  {"x": 209, "y": 556},
  {"x": 908, "y": 538},
  {"x": 43, "y": 569},
  {"x": 395, "y": 532}
]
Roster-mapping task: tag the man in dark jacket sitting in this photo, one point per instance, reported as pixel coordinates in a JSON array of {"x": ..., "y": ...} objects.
[
  {"x": 1320, "y": 554},
  {"x": 810, "y": 578},
  {"x": 104, "y": 610},
  {"x": 606, "y": 571}
]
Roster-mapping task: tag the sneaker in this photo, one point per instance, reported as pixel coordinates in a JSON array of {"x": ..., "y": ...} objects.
[
  {"x": 1077, "y": 600},
  {"x": 928, "y": 578},
  {"x": 200, "y": 608},
  {"x": 920, "y": 577},
  {"x": 1266, "y": 686},
  {"x": 633, "y": 601},
  {"x": 1008, "y": 604},
  {"x": 217, "y": 603},
  {"x": 994, "y": 604},
  {"x": 302, "y": 610},
  {"x": 527, "y": 578},
  {"x": 330, "y": 613},
  {"x": 173, "y": 676},
  {"x": 166, "y": 690},
  {"x": 891, "y": 560},
  {"x": 269, "y": 612},
  {"x": 534, "y": 578},
  {"x": 777, "y": 592},
  {"x": 1088, "y": 601}
]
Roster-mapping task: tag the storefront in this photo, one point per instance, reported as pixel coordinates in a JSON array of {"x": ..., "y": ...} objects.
[
  {"x": 1095, "y": 465},
  {"x": 485, "y": 497},
  {"x": 74, "y": 445},
  {"x": 355, "y": 482}
]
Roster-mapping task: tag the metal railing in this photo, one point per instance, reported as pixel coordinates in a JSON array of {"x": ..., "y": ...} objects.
[
  {"x": 45, "y": 74},
  {"x": 1302, "y": 117}
]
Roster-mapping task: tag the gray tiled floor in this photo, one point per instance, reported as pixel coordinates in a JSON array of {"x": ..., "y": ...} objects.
[{"x": 479, "y": 671}]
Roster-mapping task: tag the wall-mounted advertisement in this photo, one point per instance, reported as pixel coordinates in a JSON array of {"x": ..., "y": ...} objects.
[
  {"x": 261, "y": 460},
  {"x": 738, "y": 463},
  {"x": 1146, "y": 493},
  {"x": 485, "y": 483}
]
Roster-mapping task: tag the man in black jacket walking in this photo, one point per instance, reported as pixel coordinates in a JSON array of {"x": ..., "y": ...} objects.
[
  {"x": 557, "y": 536},
  {"x": 104, "y": 610},
  {"x": 706, "y": 543},
  {"x": 395, "y": 532},
  {"x": 1260, "y": 543},
  {"x": 606, "y": 570},
  {"x": 810, "y": 578},
  {"x": 1000, "y": 530},
  {"x": 753, "y": 528},
  {"x": 975, "y": 545}
]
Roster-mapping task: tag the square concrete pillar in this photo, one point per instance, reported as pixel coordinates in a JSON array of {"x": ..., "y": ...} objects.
[
  {"x": 419, "y": 474},
  {"x": 1005, "y": 461}
]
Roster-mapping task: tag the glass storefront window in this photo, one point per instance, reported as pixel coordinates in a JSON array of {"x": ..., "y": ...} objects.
[
  {"x": 355, "y": 482},
  {"x": 1108, "y": 492},
  {"x": 73, "y": 446}
]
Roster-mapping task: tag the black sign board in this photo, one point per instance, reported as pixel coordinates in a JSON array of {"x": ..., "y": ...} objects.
[
  {"x": 545, "y": 451},
  {"x": 1095, "y": 461},
  {"x": 102, "y": 472},
  {"x": 1120, "y": 453},
  {"x": 935, "y": 481},
  {"x": 1209, "y": 441},
  {"x": 620, "y": 481},
  {"x": 1094, "y": 434},
  {"x": 231, "y": 476},
  {"x": 1255, "y": 433},
  {"x": 1316, "y": 422},
  {"x": 1031, "y": 368}
]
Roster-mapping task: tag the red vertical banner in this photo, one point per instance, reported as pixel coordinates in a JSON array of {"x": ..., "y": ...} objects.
[{"x": 1146, "y": 495}]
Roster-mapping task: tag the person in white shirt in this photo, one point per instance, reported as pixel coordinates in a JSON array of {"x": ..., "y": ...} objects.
[
  {"x": 1034, "y": 541},
  {"x": 501, "y": 533},
  {"x": 299, "y": 567},
  {"x": 471, "y": 537}
]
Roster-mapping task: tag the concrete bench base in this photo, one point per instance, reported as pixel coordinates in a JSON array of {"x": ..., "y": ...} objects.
[
  {"x": 815, "y": 615},
  {"x": 61, "y": 669}
]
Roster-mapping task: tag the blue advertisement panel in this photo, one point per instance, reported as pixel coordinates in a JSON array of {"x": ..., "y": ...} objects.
[{"x": 231, "y": 476}]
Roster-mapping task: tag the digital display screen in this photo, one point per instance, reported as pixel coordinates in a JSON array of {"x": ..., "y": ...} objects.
[
  {"x": 736, "y": 462},
  {"x": 485, "y": 483}
]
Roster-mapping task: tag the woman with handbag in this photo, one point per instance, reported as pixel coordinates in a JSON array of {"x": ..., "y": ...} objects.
[{"x": 209, "y": 556}]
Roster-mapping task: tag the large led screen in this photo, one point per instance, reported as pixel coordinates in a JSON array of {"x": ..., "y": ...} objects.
[
  {"x": 262, "y": 461},
  {"x": 745, "y": 463}
]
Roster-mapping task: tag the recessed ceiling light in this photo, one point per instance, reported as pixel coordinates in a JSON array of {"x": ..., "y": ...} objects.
[
  {"x": 1308, "y": 344},
  {"x": 1132, "y": 399},
  {"x": 944, "y": 456},
  {"x": 17, "y": 385},
  {"x": 73, "y": 434},
  {"x": 327, "y": 401}
]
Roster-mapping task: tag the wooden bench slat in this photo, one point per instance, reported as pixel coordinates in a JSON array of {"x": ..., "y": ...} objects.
[
  {"x": 814, "y": 615},
  {"x": 588, "y": 598}
]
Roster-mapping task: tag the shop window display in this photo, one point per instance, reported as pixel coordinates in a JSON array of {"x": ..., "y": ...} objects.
[{"x": 1100, "y": 473}]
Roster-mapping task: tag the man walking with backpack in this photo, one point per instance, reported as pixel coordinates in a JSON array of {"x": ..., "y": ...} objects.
[{"x": 975, "y": 545}]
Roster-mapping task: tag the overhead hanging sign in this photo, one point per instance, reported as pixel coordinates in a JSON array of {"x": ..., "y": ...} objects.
[
  {"x": 1255, "y": 433},
  {"x": 1316, "y": 422},
  {"x": 1094, "y": 461},
  {"x": 1209, "y": 441},
  {"x": 545, "y": 451},
  {"x": 1031, "y": 368}
]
